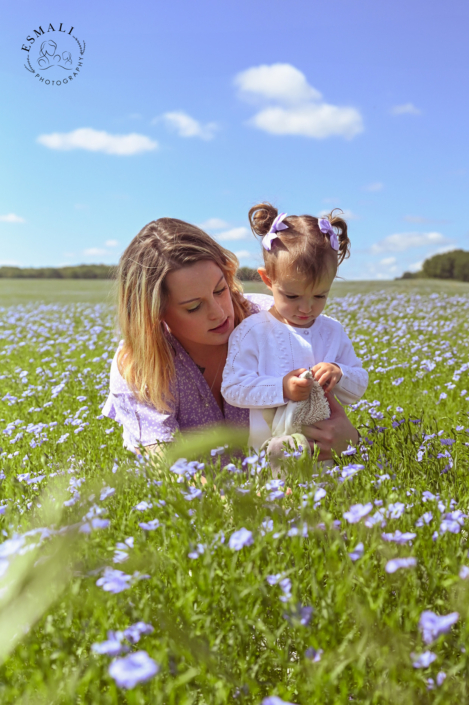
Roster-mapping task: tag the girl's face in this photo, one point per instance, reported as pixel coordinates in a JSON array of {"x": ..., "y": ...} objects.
[
  {"x": 199, "y": 308},
  {"x": 296, "y": 300}
]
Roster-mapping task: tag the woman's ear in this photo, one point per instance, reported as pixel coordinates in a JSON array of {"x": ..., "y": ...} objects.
[{"x": 266, "y": 279}]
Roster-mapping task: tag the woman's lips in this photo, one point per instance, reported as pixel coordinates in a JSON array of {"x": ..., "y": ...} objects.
[{"x": 223, "y": 327}]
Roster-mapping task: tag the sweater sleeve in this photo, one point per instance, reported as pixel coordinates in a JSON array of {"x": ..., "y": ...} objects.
[
  {"x": 354, "y": 381},
  {"x": 141, "y": 423},
  {"x": 242, "y": 384}
]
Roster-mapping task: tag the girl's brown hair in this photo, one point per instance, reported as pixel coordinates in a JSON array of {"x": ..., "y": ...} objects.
[
  {"x": 163, "y": 246},
  {"x": 302, "y": 249}
]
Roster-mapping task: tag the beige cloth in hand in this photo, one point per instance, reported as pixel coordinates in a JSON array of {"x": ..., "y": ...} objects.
[{"x": 289, "y": 419}]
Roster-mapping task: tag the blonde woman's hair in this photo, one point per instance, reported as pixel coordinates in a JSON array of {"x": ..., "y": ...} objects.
[
  {"x": 146, "y": 360},
  {"x": 306, "y": 250}
]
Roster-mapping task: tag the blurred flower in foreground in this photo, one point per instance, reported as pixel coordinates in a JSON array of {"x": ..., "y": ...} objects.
[
  {"x": 431, "y": 625},
  {"x": 439, "y": 680},
  {"x": 396, "y": 563},
  {"x": 133, "y": 669},
  {"x": 275, "y": 700},
  {"x": 357, "y": 512},
  {"x": 114, "y": 581},
  {"x": 424, "y": 660},
  {"x": 135, "y": 631},
  {"x": 357, "y": 552},
  {"x": 313, "y": 654},
  {"x": 112, "y": 647},
  {"x": 240, "y": 539},
  {"x": 464, "y": 572}
]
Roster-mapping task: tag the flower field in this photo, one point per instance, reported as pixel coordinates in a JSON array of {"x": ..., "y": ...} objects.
[{"x": 127, "y": 581}]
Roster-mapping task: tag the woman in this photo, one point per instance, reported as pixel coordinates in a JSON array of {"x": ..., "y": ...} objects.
[{"x": 178, "y": 303}]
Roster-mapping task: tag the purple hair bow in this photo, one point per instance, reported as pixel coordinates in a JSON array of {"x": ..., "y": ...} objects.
[
  {"x": 274, "y": 229},
  {"x": 326, "y": 227}
]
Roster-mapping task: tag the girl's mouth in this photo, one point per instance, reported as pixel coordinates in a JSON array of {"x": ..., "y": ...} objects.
[{"x": 223, "y": 327}]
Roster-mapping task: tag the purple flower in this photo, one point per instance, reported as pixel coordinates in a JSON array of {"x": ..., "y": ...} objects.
[
  {"x": 149, "y": 525},
  {"x": 447, "y": 441},
  {"x": 114, "y": 581},
  {"x": 399, "y": 537},
  {"x": 398, "y": 381},
  {"x": 357, "y": 512},
  {"x": 300, "y": 613},
  {"x": 273, "y": 579},
  {"x": 424, "y": 519},
  {"x": 464, "y": 572},
  {"x": 313, "y": 654},
  {"x": 319, "y": 494},
  {"x": 396, "y": 510},
  {"x": 142, "y": 506},
  {"x": 239, "y": 539},
  {"x": 396, "y": 563},
  {"x": 350, "y": 451},
  {"x": 432, "y": 626},
  {"x": 133, "y": 669},
  {"x": 111, "y": 647},
  {"x": 424, "y": 660},
  {"x": 193, "y": 493},
  {"x": 275, "y": 700},
  {"x": 135, "y": 631},
  {"x": 350, "y": 470},
  {"x": 357, "y": 552},
  {"x": 106, "y": 492}
]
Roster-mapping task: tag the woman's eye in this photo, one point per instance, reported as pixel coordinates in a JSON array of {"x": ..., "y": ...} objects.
[
  {"x": 193, "y": 310},
  {"x": 220, "y": 291}
]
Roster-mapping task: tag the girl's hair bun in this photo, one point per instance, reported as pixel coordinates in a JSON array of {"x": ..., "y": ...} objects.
[{"x": 261, "y": 218}]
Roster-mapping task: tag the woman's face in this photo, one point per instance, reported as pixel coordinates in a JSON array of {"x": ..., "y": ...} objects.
[{"x": 199, "y": 307}]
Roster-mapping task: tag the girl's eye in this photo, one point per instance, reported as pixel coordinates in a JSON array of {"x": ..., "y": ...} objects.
[
  {"x": 320, "y": 297},
  {"x": 220, "y": 291},
  {"x": 193, "y": 310},
  {"x": 291, "y": 297}
]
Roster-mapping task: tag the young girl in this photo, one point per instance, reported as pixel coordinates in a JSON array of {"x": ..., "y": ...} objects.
[{"x": 269, "y": 351}]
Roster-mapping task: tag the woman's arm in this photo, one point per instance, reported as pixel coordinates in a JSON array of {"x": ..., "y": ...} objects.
[{"x": 333, "y": 434}]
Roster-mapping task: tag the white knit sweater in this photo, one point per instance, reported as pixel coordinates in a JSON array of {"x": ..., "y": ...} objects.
[{"x": 262, "y": 350}]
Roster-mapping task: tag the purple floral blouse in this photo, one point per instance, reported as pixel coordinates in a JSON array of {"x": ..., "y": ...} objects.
[{"x": 193, "y": 405}]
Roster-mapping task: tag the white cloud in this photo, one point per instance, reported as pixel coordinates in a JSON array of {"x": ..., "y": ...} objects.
[
  {"x": 213, "y": 224},
  {"x": 244, "y": 254},
  {"x": 187, "y": 126},
  {"x": 399, "y": 242},
  {"x": 416, "y": 267},
  {"x": 233, "y": 234},
  {"x": 388, "y": 261},
  {"x": 94, "y": 251},
  {"x": 422, "y": 219},
  {"x": 98, "y": 141},
  {"x": 375, "y": 186},
  {"x": 11, "y": 218},
  {"x": 280, "y": 82},
  {"x": 301, "y": 110},
  {"x": 346, "y": 214},
  {"x": 111, "y": 243},
  {"x": 406, "y": 109}
]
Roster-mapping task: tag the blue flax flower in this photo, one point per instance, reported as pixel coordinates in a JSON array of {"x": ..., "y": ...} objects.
[
  {"x": 133, "y": 669},
  {"x": 431, "y": 625},
  {"x": 239, "y": 539}
]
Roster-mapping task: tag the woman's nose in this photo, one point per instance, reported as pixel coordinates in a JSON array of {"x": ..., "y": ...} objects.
[{"x": 215, "y": 310}]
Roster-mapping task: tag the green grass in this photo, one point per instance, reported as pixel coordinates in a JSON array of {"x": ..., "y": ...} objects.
[
  {"x": 221, "y": 632},
  {"x": 20, "y": 291}
]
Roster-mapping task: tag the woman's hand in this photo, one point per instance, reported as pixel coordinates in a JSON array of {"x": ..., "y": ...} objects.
[
  {"x": 295, "y": 388},
  {"x": 333, "y": 434}
]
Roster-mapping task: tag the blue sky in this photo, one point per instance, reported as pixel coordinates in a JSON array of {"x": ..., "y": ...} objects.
[{"x": 200, "y": 110}]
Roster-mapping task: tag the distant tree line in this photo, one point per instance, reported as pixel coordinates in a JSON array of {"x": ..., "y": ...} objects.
[
  {"x": 88, "y": 271},
  {"x": 448, "y": 265}
]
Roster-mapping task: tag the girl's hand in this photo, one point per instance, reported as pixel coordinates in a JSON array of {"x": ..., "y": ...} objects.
[
  {"x": 295, "y": 388},
  {"x": 327, "y": 374}
]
